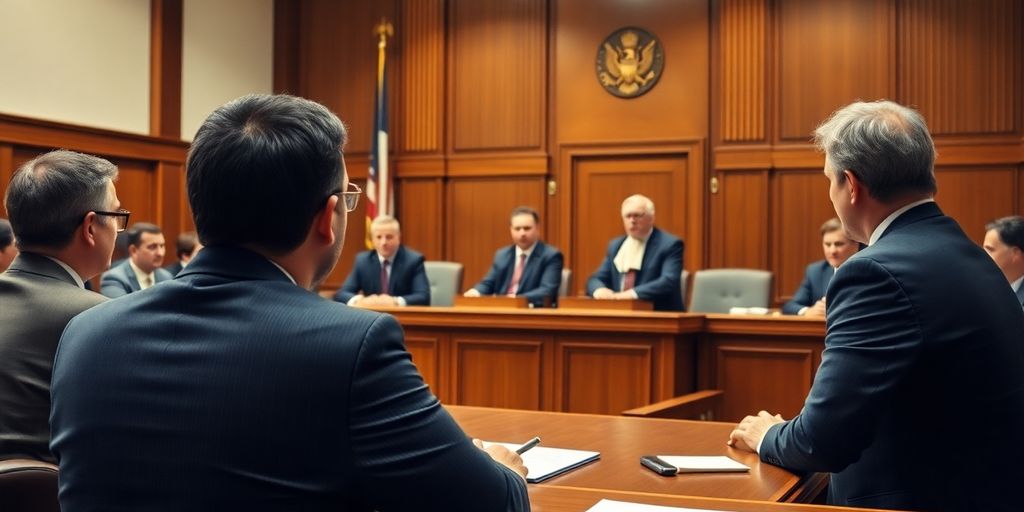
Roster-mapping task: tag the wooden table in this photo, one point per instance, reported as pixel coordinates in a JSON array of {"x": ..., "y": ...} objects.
[
  {"x": 566, "y": 499},
  {"x": 622, "y": 441}
]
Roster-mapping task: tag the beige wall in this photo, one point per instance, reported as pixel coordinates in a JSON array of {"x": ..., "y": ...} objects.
[
  {"x": 77, "y": 62},
  {"x": 228, "y": 52}
]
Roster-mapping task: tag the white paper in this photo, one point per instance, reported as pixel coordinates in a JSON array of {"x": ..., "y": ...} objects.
[
  {"x": 544, "y": 461},
  {"x": 622, "y": 506},
  {"x": 703, "y": 464}
]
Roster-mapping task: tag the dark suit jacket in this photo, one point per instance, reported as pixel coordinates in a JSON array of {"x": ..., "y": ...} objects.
[
  {"x": 37, "y": 299},
  {"x": 408, "y": 278},
  {"x": 658, "y": 279},
  {"x": 541, "y": 277},
  {"x": 1020, "y": 295},
  {"x": 816, "y": 279},
  {"x": 922, "y": 378},
  {"x": 174, "y": 268},
  {"x": 120, "y": 280},
  {"x": 231, "y": 388}
]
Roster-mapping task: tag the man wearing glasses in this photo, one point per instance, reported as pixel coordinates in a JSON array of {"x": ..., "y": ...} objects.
[
  {"x": 64, "y": 212},
  {"x": 233, "y": 386},
  {"x": 141, "y": 270}
]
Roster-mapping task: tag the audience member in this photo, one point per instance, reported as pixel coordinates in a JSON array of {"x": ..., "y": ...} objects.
[
  {"x": 234, "y": 387},
  {"x": 528, "y": 267},
  {"x": 1004, "y": 242},
  {"x": 809, "y": 299},
  {"x": 186, "y": 247},
  {"x": 142, "y": 267},
  {"x": 645, "y": 264},
  {"x": 923, "y": 369},
  {"x": 389, "y": 275},
  {"x": 8, "y": 249},
  {"x": 43, "y": 288}
]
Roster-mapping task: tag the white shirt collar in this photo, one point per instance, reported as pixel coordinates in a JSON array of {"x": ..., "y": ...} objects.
[
  {"x": 74, "y": 275},
  {"x": 528, "y": 251},
  {"x": 283, "y": 271},
  {"x": 1016, "y": 284},
  {"x": 877, "y": 233},
  {"x": 140, "y": 275}
]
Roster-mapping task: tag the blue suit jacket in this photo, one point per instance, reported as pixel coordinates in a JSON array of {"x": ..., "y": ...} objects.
[
  {"x": 816, "y": 279},
  {"x": 541, "y": 277},
  {"x": 658, "y": 279},
  {"x": 230, "y": 388},
  {"x": 1020, "y": 295},
  {"x": 120, "y": 279},
  {"x": 408, "y": 278},
  {"x": 921, "y": 380}
]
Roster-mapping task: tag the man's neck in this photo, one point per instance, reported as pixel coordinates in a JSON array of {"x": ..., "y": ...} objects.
[
  {"x": 878, "y": 212},
  {"x": 69, "y": 256}
]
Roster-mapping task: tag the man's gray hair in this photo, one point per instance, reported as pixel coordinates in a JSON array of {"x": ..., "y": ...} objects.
[
  {"x": 49, "y": 196},
  {"x": 648, "y": 204},
  {"x": 884, "y": 144},
  {"x": 385, "y": 220}
]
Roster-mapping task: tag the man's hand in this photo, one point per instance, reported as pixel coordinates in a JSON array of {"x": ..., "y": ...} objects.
[
  {"x": 624, "y": 295},
  {"x": 504, "y": 456},
  {"x": 818, "y": 309},
  {"x": 472, "y": 292},
  {"x": 751, "y": 430},
  {"x": 604, "y": 293}
]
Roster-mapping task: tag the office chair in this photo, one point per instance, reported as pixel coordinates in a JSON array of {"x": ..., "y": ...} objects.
[
  {"x": 717, "y": 290},
  {"x": 445, "y": 279}
]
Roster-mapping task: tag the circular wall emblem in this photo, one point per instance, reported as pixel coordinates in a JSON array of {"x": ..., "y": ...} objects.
[{"x": 629, "y": 62}]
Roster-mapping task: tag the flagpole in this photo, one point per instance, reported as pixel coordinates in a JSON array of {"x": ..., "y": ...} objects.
[{"x": 379, "y": 185}]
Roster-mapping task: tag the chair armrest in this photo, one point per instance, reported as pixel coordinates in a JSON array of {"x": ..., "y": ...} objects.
[{"x": 703, "y": 405}]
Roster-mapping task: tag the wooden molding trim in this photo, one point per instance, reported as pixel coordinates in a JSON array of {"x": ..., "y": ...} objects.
[
  {"x": 24, "y": 131},
  {"x": 498, "y": 165},
  {"x": 766, "y": 326},
  {"x": 420, "y": 166},
  {"x": 566, "y": 320}
]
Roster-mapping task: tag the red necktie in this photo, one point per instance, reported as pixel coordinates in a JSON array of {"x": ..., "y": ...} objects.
[
  {"x": 513, "y": 286},
  {"x": 628, "y": 279},
  {"x": 384, "y": 277}
]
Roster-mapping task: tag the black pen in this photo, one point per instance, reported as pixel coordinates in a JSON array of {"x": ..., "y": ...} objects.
[{"x": 526, "y": 446}]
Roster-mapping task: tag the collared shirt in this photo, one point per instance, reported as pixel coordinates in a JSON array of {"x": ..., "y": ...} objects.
[
  {"x": 1016, "y": 284},
  {"x": 145, "y": 280},
  {"x": 283, "y": 271},
  {"x": 877, "y": 233},
  {"x": 528, "y": 251},
  {"x": 391, "y": 265},
  {"x": 74, "y": 275}
]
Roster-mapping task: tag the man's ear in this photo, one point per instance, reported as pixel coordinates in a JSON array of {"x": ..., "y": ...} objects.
[
  {"x": 856, "y": 187},
  {"x": 88, "y": 229},
  {"x": 323, "y": 223}
]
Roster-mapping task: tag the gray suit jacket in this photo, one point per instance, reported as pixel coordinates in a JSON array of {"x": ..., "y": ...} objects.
[
  {"x": 37, "y": 299},
  {"x": 120, "y": 279}
]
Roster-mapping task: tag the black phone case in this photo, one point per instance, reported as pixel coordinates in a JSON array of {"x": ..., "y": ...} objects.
[{"x": 653, "y": 463}]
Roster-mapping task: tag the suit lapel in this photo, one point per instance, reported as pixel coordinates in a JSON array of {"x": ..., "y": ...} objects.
[
  {"x": 531, "y": 265},
  {"x": 645, "y": 265}
]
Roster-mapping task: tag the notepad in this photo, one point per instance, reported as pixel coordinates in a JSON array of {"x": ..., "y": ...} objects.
[
  {"x": 545, "y": 462},
  {"x": 623, "y": 506},
  {"x": 704, "y": 464}
]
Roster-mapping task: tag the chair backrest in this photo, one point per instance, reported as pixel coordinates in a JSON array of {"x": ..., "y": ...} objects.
[
  {"x": 445, "y": 279},
  {"x": 28, "y": 486},
  {"x": 717, "y": 290},
  {"x": 563, "y": 289}
]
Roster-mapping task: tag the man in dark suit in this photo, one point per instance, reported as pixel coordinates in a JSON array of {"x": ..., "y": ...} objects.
[
  {"x": 527, "y": 268},
  {"x": 389, "y": 275},
  {"x": 8, "y": 249},
  {"x": 922, "y": 377},
  {"x": 185, "y": 247},
  {"x": 809, "y": 298},
  {"x": 43, "y": 288},
  {"x": 645, "y": 264},
  {"x": 1004, "y": 242},
  {"x": 141, "y": 269},
  {"x": 233, "y": 386}
]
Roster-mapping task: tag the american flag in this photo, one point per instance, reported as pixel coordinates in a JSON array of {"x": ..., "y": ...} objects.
[{"x": 379, "y": 188}]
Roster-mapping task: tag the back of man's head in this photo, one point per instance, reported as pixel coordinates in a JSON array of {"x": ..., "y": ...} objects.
[
  {"x": 136, "y": 231},
  {"x": 259, "y": 170},
  {"x": 49, "y": 196},
  {"x": 884, "y": 144},
  {"x": 185, "y": 245},
  {"x": 832, "y": 225},
  {"x": 1010, "y": 230}
]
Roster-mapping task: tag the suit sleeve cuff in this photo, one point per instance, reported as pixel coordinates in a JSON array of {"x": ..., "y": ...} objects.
[
  {"x": 355, "y": 299},
  {"x": 401, "y": 301}
]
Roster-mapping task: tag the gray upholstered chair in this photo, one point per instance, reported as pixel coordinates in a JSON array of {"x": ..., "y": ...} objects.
[
  {"x": 717, "y": 290},
  {"x": 28, "y": 486},
  {"x": 445, "y": 279},
  {"x": 683, "y": 277},
  {"x": 563, "y": 288}
]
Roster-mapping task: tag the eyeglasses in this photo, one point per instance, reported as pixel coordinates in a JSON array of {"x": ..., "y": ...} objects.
[
  {"x": 120, "y": 218},
  {"x": 351, "y": 197}
]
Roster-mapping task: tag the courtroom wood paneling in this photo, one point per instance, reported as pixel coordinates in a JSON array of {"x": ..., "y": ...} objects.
[
  {"x": 740, "y": 213},
  {"x": 760, "y": 378},
  {"x": 420, "y": 205},
  {"x": 801, "y": 206},
  {"x": 165, "y": 68},
  {"x": 287, "y": 24},
  {"x": 138, "y": 189},
  {"x": 976, "y": 196},
  {"x": 829, "y": 54},
  {"x": 960, "y": 63},
  {"x": 743, "y": 84},
  {"x": 498, "y": 370},
  {"x": 422, "y": 87},
  {"x": 498, "y": 56},
  {"x": 581, "y": 371},
  {"x": 478, "y": 219},
  {"x": 426, "y": 352}
]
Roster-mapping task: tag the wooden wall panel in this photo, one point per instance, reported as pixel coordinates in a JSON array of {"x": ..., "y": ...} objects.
[
  {"x": 420, "y": 205},
  {"x": 743, "y": 70},
  {"x": 740, "y": 221},
  {"x": 426, "y": 355},
  {"x": 479, "y": 219},
  {"x": 777, "y": 376},
  {"x": 498, "y": 66},
  {"x": 801, "y": 206},
  {"x": 829, "y": 54},
  {"x": 498, "y": 371},
  {"x": 976, "y": 196},
  {"x": 960, "y": 63},
  {"x": 582, "y": 369},
  {"x": 421, "y": 91}
]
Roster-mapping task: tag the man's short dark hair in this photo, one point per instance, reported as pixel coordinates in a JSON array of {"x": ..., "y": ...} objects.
[
  {"x": 6, "y": 234},
  {"x": 884, "y": 144},
  {"x": 260, "y": 169},
  {"x": 525, "y": 210},
  {"x": 49, "y": 196},
  {"x": 138, "y": 229},
  {"x": 186, "y": 243},
  {"x": 1010, "y": 230},
  {"x": 831, "y": 225}
]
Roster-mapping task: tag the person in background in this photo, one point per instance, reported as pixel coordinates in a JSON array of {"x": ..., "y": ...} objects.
[
  {"x": 141, "y": 269},
  {"x": 1004, "y": 242},
  {"x": 809, "y": 298},
  {"x": 186, "y": 247},
  {"x": 389, "y": 275},
  {"x": 8, "y": 249}
]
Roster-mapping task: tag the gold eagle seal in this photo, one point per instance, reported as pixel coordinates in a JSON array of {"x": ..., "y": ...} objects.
[{"x": 629, "y": 62}]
